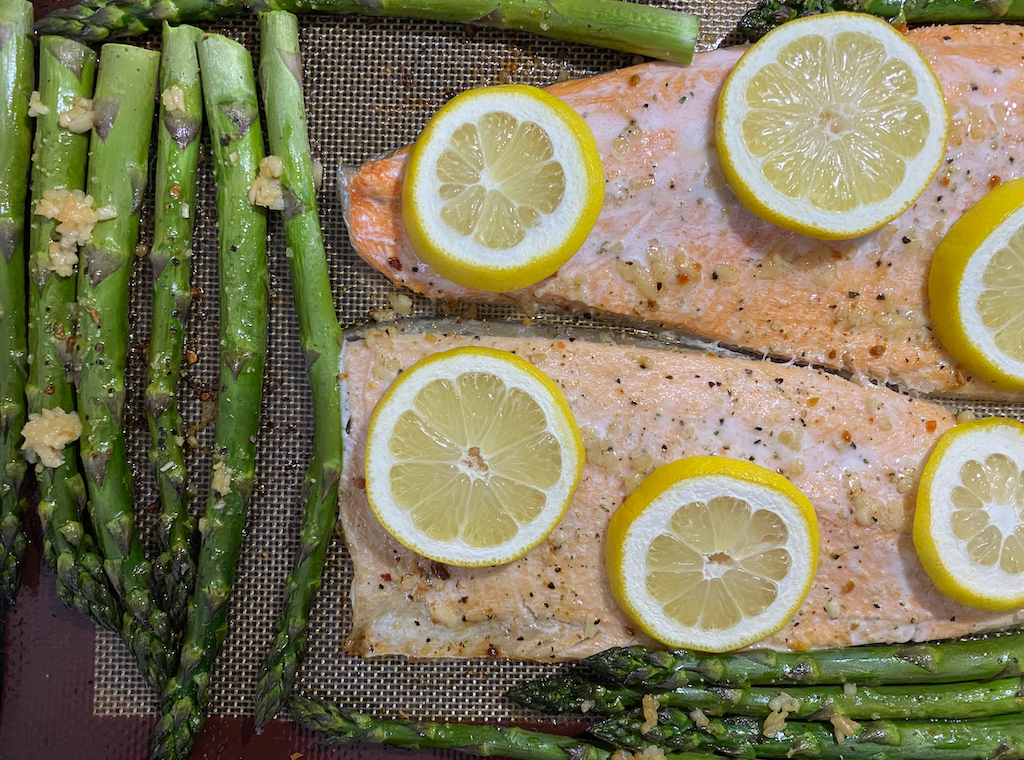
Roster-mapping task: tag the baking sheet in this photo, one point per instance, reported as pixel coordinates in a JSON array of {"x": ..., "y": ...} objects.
[{"x": 371, "y": 85}]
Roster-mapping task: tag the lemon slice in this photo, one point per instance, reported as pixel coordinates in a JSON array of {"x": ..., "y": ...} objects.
[
  {"x": 712, "y": 553},
  {"x": 472, "y": 457},
  {"x": 977, "y": 283},
  {"x": 831, "y": 125},
  {"x": 969, "y": 521},
  {"x": 503, "y": 187}
]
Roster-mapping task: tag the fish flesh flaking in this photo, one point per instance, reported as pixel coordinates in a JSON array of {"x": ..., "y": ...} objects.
[
  {"x": 674, "y": 246},
  {"x": 856, "y": 451}
]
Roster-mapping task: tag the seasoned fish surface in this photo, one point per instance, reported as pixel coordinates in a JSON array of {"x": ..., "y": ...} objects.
[
  {"x": 673, "y": 244},
  {"x": 855, "y": 451}
]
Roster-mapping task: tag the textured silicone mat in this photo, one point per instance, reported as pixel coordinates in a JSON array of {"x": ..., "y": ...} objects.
[{"x": 371, "y": 85}]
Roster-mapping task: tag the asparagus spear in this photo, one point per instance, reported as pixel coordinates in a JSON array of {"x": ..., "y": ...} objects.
[
  {"x": 629, "y": 27},
  {"x": 233, "y": 116},
  {"x": 937, "y": 662},
  {"x": 768, "y": 14},
  {"x": 118, "y": 167},
  {"x": 67, "y": 70},
  {"x": 972, "y": 699},
  {"x": 281, "y": 76},
  {"x": 343, "y": 727},
  {"x": 180, "y": 121},
  {"x": 997, "y": 737},
  {"x": 17, "y": 76}
]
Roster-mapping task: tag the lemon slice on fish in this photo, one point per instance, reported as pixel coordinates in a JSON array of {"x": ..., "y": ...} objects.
[
  {"x": 503, "y": 187},
  {"x": 712, "y": 553},
  {"x": 969, "y": 521},
  {"x": 831, "y": 125},
  {"x": 976, "y": 288},
  {"x": 472, "y": 457}
]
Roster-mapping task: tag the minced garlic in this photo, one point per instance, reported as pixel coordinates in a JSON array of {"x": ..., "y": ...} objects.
[
  {"x": 844, "y": 728},
  {"x": 650, "y": 706},
  {"x": 266, "y": 188},
  {"x": 74, "y": 213},
  {"x": 221, "y": 479},
  {"x": 173, "y": 98},
  {"x": 47, "y": 434},
  {"x": 62, "y": 260},
  {"x": 36, "y": 107},
  {"x": 781, "y": 706},
  {"x": 79, "y": 118}
]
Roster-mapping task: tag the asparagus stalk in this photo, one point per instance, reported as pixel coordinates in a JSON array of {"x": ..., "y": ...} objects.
[
  {"x": 17, "y": 77},
  {"x": 118, "y": 168},
  {"x": 343, "y": 727},
  {"x": 629, "y": 27},
  {"x": 67, "y": 70},
  {"x": 179, "y": 125},
  {"x": 232, "y": 112},
  {"x": 997, "y": 737},
  {"x": 936, "y": 662},
  {"x": 768, "y": 14},
  {"x": 972, "y": 699},
  {"x": 281, "y": 76}
]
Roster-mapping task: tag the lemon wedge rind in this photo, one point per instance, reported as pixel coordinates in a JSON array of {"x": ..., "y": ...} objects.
[
  {"x": 986, "y": 447},
  {"x": 956, "y": 283},
  {"x": 743, "y": 169},
  {"x": 648, "y": 512},
  {"x": 556, "y": 236},
  {"x": 516, "y": 375}
]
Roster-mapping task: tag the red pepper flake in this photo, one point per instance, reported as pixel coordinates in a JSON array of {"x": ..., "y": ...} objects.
[
  {"x": 634, "y": 80},
  {"x": 812, "y": 401},
  {"x": 849, "y": 586},
  {"x": 560, "y": 344},
  {"x": 395, "y": 263},
  {"x": 847, "y": 437},
  {"x": 359, "y": 483},
  {"x": 995, "y": 181},
  {"x": 877, "y": 350},
  {"x": 386, "y": 577},
  {"x": 930, "y": 426}
]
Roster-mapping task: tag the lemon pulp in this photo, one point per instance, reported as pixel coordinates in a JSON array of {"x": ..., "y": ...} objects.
[
  {"x": 718, "y": 562},
  {"x": 473, "y": 460},
  {"x": 498, "y": 176}
]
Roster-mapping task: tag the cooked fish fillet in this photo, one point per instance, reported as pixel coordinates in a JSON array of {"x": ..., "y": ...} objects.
[
  {"x": 674, "y": 246},
  {"x": 855, "y": 451}
]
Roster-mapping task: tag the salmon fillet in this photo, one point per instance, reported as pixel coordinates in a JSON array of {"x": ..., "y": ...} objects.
[
  {"x": 855, "y": 451},
  {"x": 674, "y": 246}
]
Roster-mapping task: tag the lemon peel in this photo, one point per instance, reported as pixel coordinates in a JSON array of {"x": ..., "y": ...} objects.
[
  {"x": 831, "y": 125},
  {"x": 502, "y": 188},
  {"x": 969, "y": 520},
  {"x": 712, "y": 553},
  {"x": 472, "y": 457}
]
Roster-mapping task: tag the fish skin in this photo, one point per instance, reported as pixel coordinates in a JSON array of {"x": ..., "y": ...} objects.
[
  {"x": 638, "y": 408},
  {"x": 701, "y": 263}
]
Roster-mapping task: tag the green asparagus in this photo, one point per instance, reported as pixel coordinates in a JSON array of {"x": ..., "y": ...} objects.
[
  {"x": 179, "y": 125},
  {"x": 343, "y": 727},
  {"x": 971, "y": 699},
  {"x": 232, "y": 112},
  {"x": 937, "y": 662},
  {"x": 997, "y": 737},
  {"x": 281, "y": 76},
  {"x": 629, "y": 27},
  {"x": 768, "y": 14},
  {"x": 17, "y": 77},
  {"x": 118, "y": 166},
  {"x": 67, "y": 70}
]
